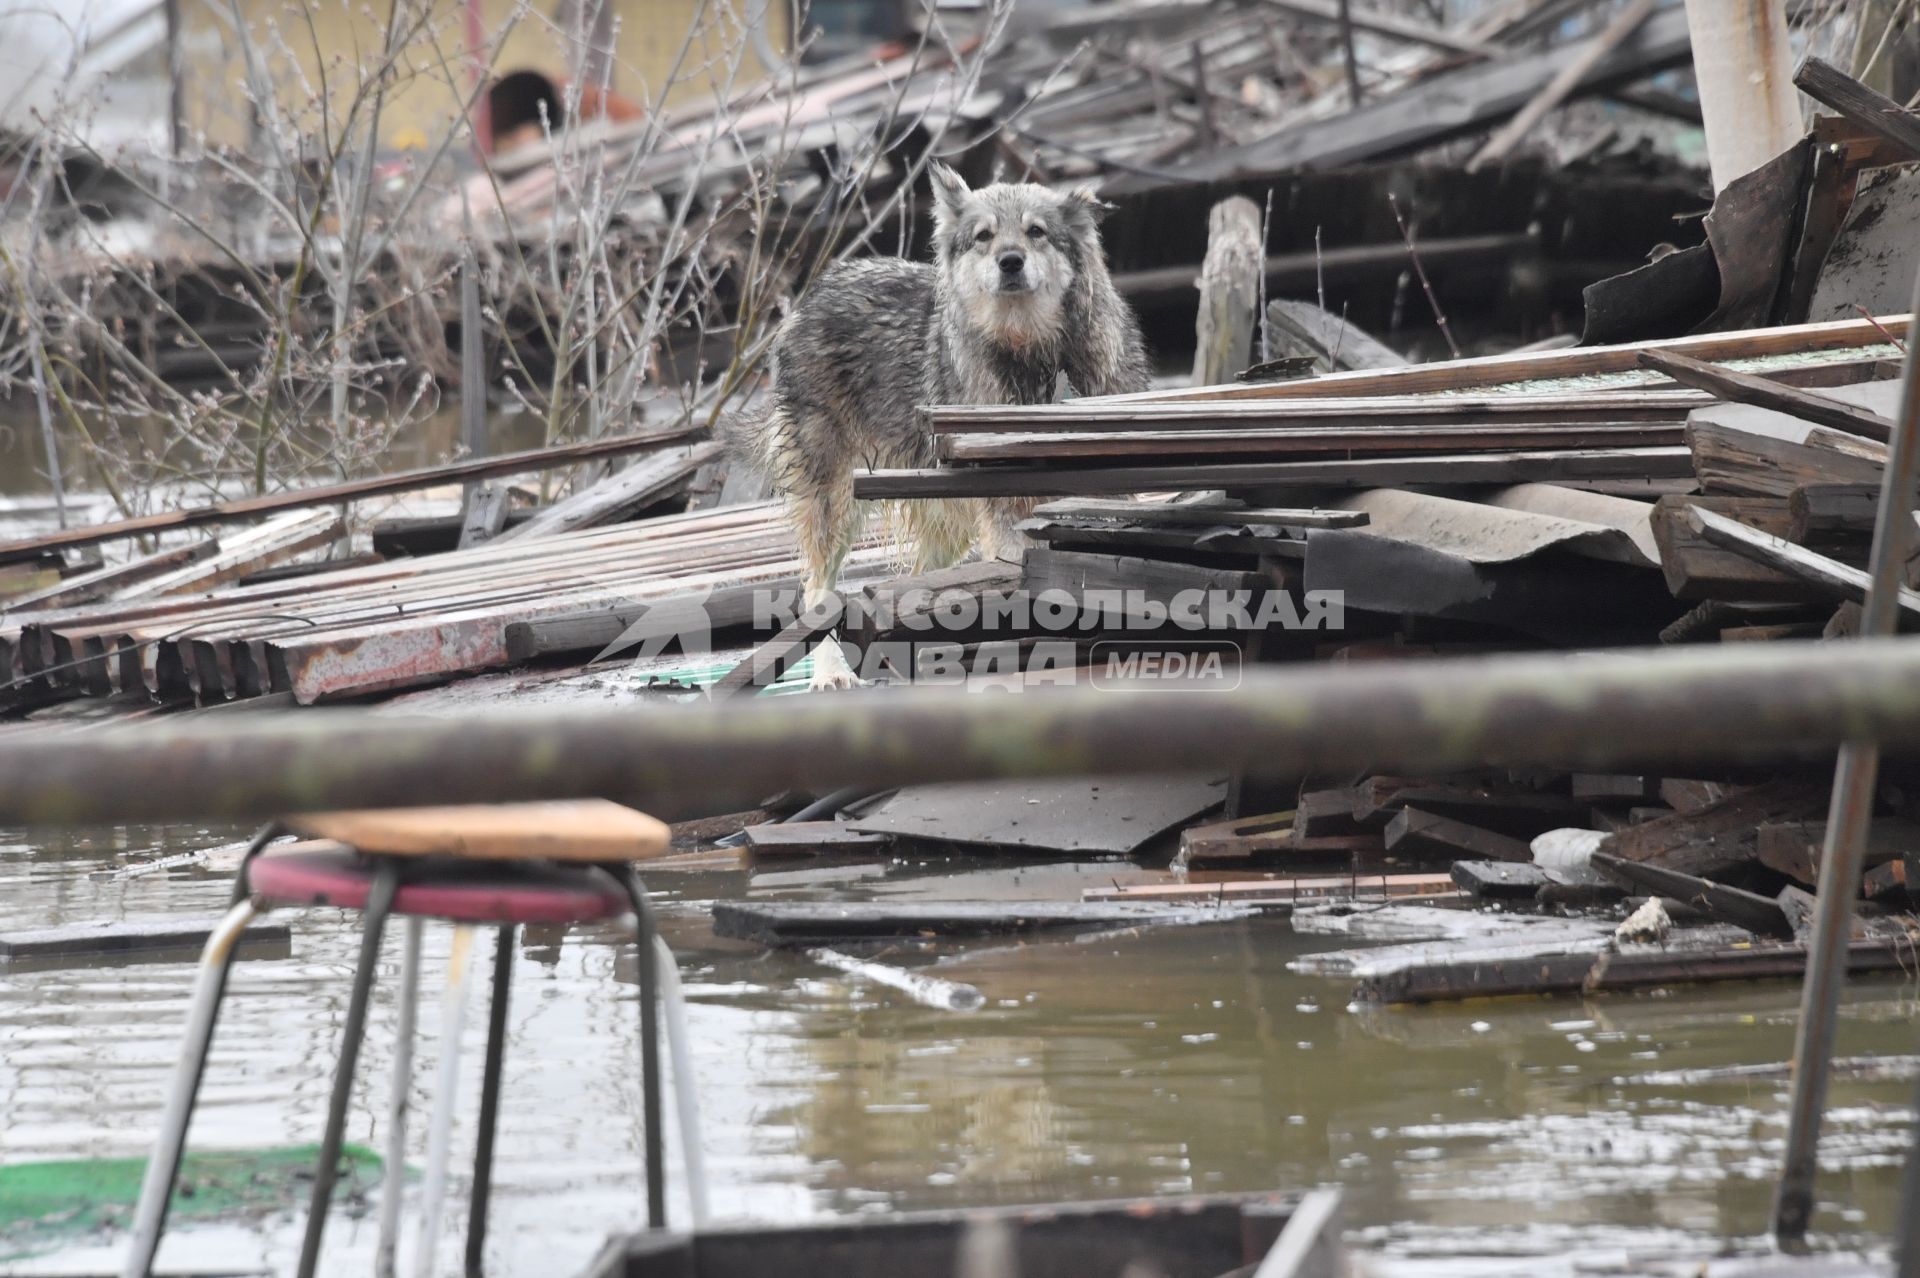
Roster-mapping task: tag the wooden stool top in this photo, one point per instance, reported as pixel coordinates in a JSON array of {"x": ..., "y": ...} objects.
[{"x": 582, "y": 830}]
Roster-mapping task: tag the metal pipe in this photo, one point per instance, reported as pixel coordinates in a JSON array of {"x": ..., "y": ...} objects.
[
  {"x": 1849, "y": 815},
  {"x": 1588, "y": 711},
  {"x": 446, "y": 1082},
  {"x": 163, "y": 1167},
  {"x": 489, "y": 1119},
  {"x": 379, "y": 904},
  {"x": 650, "y": 1108},
  {"x": 396, "y": 1170},
  {"x": 686, "y": 1095}
]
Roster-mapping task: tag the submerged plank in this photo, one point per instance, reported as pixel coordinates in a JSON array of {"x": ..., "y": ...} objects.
[{"x": 815, "y": 922}]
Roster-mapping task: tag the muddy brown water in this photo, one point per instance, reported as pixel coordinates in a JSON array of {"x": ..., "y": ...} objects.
[{"x": 1536, "y": 1136}]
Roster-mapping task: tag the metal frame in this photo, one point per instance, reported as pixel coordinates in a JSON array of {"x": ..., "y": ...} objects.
[{"x": 163, "y": 1168}]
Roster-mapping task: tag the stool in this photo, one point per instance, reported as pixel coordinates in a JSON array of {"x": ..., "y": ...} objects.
[{"x": 505, "y": 865}]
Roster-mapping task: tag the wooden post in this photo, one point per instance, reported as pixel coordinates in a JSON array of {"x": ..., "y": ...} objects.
[
  {"x": 1743, "y": 63},
  {"x": 1229, "y": 292}
]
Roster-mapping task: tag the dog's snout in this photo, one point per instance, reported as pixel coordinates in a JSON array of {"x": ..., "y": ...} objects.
[{"x": 1012, "y": 263}]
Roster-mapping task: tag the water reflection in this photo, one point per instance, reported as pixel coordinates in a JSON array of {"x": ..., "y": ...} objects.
[{"x": 1169, "y": 1060}]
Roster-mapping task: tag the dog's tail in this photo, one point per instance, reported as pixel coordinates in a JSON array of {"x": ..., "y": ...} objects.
[{"x": 744, "y": 436}]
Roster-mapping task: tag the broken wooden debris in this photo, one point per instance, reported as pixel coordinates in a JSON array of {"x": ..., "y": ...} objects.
[
  {"x": 1416, "y": 830},
  {"x": 620, "y": 495},
  {"x": 133, "y": 936},
  {"x": 1745, "y": 388},
  {"x": 1758, "y": 914},
  {"x": 1834, "y": 88},
  {"x": 350, "y": 490},
  {"x": 1721, "y": 835},
  {"x": 1281, "y": 890},
  {"x": 1839, "y": 581},
  {"x": 1443, "y": 979},
  {"x": 824, "y": 922}
]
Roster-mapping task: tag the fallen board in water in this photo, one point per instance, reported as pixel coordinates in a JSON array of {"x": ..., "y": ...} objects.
[
  {"x": 158, "y": 932},
  {"x": 820, "y": 922},
  {"x": 1443, "y": 980},
  {"x": 1328, "y": 887}
]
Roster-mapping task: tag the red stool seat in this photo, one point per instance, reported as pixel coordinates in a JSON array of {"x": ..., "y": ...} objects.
[{"x": 441, "y": 887}]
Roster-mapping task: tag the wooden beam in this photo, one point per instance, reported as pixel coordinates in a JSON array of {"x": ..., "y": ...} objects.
[
  {"x": 351, "y": 490},
  {"x": 1545, "y": 466},
  {"x": 1835, "y": 89},
  {"x": 1564, "y": 82},
  {"x": 1229, "y": 291},
  {"x": 1761, "y": 915},
  {"x": 1720, "y": 836},
  {"x": 1745, "y": 388},
  {"x": 1835, "y": 578}
]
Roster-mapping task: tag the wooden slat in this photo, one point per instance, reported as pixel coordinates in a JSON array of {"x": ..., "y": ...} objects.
[
  {"x": 1875, "y": 112},
  {"x": 1745, "y": 388},
  {"x": 352, "y": 490},
  {"x": 1838, "y": 580},
  {"x": 1538, "y": 466},
  {"x": 1837, "y": 337}
]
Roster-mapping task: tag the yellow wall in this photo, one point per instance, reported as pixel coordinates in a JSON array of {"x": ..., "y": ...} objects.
[{"x": 308, "y": 43}]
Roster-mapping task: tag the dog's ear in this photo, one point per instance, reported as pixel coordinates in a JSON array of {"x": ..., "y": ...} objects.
[
  {"x": 950, "y": 192},
  {"x": 1083, "y": 210}
]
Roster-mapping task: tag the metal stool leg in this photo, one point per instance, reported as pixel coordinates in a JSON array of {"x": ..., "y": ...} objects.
[
  {"x": 446, "y": 1083},
  {"x": 649, "y": 1051},
  {"x": 686, "y": 1100},
  {"x": 379, "y": 905},
  {"x": 489, "y": 1102},
  {"x": 396, "y": 1177},
  {"x": 163, "y": 1168}
]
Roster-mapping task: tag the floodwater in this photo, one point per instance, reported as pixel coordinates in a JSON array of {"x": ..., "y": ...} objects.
[{"x": 1515, "y": 1136}]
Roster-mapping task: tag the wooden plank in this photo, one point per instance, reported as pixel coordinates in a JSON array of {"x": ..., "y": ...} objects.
[
  {"x": 1794, "y": 848},
  {"x": 1199, "y": 514},
  {"x": 824, "y": 922},
  {"x": 101, "y": 582},
  {"x": 1745, "y": 388},
  {"x": 1740, "y": 463},
  {"x": 1838, "y": 339},
  {"x": 1225, "y": 446},
  {"x": 1324, "y": 812},
  {"x": 1837, "y": 580},
  {"x": 1683, "y": 795},
  {"x": 612, "y": 499},
  {"x": 351, "y": 490},
  {"x": 1540, "y": 466},
  {"x": 1519, "y": 812},
  {"x": 1414, "y": 830},
  {"x": 1325, "y": 887},
  {"x": 1696, "y": 568},
  {"x": 1300, "y": 328},
  {"x": 1444, "y": 980},
  {"x": 1564, "y": 82},
  {"x": 248, "y": 551},
  {"x": 125, "y": 936},
  {"x": 1720, "y": 836},
  {"x": 1614, "y": 787},
  {"x": 1501, "y": 880},
  {"x": 1431, "y": 112},
  {"x": 1831, "y": 511},
  {"x": 1758, "y": 914},
  {"x": 1366, "y": 415},
  {"x": 1875, "y": 112}
]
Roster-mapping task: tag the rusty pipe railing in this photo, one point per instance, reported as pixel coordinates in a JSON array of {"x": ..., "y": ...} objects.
[{"x": 1645, "y": 708}]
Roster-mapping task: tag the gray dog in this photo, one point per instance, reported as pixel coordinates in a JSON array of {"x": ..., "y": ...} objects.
[{"x": 1017, "y": 296}]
